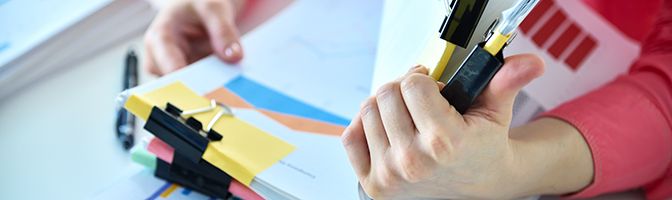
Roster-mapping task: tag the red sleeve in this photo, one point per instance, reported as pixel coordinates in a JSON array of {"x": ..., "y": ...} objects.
[{"x": 628, "y": 122}]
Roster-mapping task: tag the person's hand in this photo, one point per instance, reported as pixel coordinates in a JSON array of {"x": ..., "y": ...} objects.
[
  {"x": 409, "y": 142},
  {"x": 187, "y": 30}
]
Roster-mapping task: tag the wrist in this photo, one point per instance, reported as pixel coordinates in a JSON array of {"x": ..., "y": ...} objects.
[{"x": 550, "y": 157}]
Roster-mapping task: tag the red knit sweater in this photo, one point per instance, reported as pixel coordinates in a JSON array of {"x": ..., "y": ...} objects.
[{"x": 628, "y": 122}]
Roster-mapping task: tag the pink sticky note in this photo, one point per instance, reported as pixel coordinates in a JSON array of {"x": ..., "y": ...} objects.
[
  {"x": 238, "y": 189},
  {"x": 162, "y": 150}
]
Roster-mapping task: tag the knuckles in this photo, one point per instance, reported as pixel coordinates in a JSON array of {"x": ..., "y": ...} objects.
[
  {"x": 348, "y": 138},
  {"x": 390, "y": 176},
  {"x": 388, "y": 89},
  {"x": 411, "y": 166},
  {"x": 383, "y": 184},
  {"x": 413, "y": 81},
  {"x": 365, "y": 107},
  {"x": 439, "y": 147}
]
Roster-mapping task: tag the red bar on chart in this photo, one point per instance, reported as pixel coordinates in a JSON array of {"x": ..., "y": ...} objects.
[
  {"x": 535, "y": 15},
  {"x": 581, "y": 52},
  {"x": 560, "y": 45},
  {"x": 549, "y": 28}
]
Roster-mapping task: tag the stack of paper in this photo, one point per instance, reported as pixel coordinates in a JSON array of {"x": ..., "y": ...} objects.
[
  {"x": 39, "y": 38},
  {"x": 304, "y": 75}
]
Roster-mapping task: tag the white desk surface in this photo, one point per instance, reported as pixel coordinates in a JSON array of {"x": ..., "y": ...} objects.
[{"x": 58, "y": 139}]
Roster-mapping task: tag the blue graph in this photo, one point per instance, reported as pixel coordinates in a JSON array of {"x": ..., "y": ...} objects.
[{"x": 263, "y": 97}]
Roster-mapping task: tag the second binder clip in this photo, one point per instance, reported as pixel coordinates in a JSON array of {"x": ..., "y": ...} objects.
[{"x": 189, "y": 138}]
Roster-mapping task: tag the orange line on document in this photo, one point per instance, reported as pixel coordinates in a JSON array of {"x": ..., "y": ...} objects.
[
  {"x": 298, "y": 123},
  {"x": 225, "y": 96},
  {"x": 168, "y": 191}
]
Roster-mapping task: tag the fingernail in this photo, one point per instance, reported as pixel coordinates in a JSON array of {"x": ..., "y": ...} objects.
[{"x": 232, "y": 50}]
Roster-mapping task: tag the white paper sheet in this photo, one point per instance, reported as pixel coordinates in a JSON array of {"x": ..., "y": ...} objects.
[{"x": 27, "y": 23}]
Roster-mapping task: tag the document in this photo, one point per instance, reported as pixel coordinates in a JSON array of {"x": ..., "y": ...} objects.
[{"x": 303, "y": 77}]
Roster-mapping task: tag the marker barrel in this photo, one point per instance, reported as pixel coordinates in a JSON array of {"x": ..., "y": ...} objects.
[{"x": 471, "y": 78}]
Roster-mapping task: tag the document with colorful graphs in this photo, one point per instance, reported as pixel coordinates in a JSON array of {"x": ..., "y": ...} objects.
[{"x": 304, "y": 74}]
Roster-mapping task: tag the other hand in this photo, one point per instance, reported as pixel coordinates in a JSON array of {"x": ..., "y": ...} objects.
[{"x": 187, "y": 30}]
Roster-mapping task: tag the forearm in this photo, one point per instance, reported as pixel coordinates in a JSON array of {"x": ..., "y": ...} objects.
[{"x": 551, "y": 157}]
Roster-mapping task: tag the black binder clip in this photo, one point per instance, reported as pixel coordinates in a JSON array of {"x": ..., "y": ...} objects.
[
  {"x": 181, "y": 131},
  {"x": 189, "y": 138},
  {"x": 192, "y": 179}
]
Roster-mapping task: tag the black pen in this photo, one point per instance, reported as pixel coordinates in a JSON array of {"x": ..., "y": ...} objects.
[{"x": 125, "y": 120}]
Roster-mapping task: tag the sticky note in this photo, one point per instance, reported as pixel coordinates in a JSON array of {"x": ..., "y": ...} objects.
[
  {"x": 161, "y": 150},
  {"x": 244, "y": 150},
  {"x": 141, "y": 156}
]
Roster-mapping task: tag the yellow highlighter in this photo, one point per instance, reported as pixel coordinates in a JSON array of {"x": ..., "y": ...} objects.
[
  {"x": 496, "y": 43},
  {"x": 459, "y": 25},
  {"x": 443, "y": 62}
]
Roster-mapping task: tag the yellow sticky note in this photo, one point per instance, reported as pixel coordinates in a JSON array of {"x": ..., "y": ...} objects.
[
  {"x": 244, "y": 150},
  {"x": 241, "y": 149}
]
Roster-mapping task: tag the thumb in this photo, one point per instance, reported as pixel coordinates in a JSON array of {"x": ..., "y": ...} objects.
[
  {"x": 219, "y": 21},
  {"x": 496, "y": 102}
]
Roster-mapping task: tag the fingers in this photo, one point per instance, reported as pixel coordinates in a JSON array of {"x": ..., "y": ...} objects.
[
  {"x": 354, "y": 138},
  {"x": 426, "y": 105},
  {"x": 167, "y": 54},
  {"x": 162, "y": 47},
  {"x": 496, "y": 102},
  {"x": 198, "y": 49},
  {"x": 374, "y": 131},
  {"x": 355, "y": 144},
  {"x": 218, "y": 17},
  {"x": 148, "y": 61},
  {"x": 384, "y": 122},
  {"x": 381, "y": 146},
  {"x": 394, "y": 115}
]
